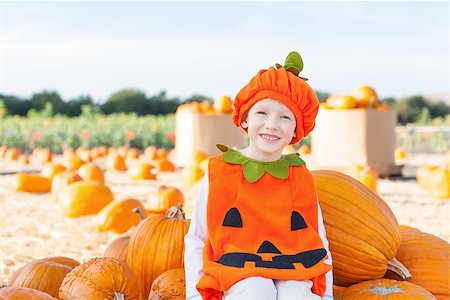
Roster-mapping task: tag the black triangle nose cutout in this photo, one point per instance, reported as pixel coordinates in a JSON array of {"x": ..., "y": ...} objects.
[
  {"x": 268, "y": 247},
  {"x": 297, "y": 221},
  {"x": 232, "y": 218}
]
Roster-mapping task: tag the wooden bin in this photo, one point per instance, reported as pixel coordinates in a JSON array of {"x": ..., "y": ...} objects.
[
  {"x": 344, "y": 138},
  {"x": 201, "y": 132}
]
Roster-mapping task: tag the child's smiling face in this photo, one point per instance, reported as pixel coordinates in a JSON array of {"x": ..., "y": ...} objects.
[{"x": 271, "y": 126}]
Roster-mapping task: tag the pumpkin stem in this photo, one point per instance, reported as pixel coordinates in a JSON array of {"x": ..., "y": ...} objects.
[
  {"x": 398, "y": 268},
  {"x": 176, "y": 212},
  {"x": 118, "y": 296},
  {"x": 140, "y": 212}
]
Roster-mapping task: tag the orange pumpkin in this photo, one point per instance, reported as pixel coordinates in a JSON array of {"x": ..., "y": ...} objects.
[
  {"x": 91, "y": 171},
  {"x": 22, "y": 293},
  {"x": 385, "y": 289},
  {"x": 161, "y": 153},
  {"x": 115, "y": 162},
  {"x": 440, "y": 183},
  {"x": 341, "y": 101},
  {"x": 84, "y": 154},
  {"x": 12, "y": 153},
  {"x": 425, "y": 255},
  {"x": 193, "y": 175},
  {"x": 72, "y": 161},
  {"x": 118, "y": 248},
  {"x": 400, "y": 153},
  {"x": 118, "y": 216},
  {"x": 157, "y": 245},
  {"x": 150, "y": 152},
  {"x": 367, "y": 175},
  {"x": 167, "y": 197},
  {"x": 170, "y": 285},
  {"x": 423, "y": 175},
  {"x": 84, "y": 198},
  {"x": 32, "y": 183},
  {"x": 132, "y": 153},
  {"x": 100, "y": 278},
  {"x": 23, "y": 159},
  {"x": 45, "y": 275},
  {"x": 362, "y": 230},
  {"x": 304, "y": 149},
  {"x": 365, "y": 97},
  {"x": 142, "y": 171},
  {"x": 61, "y": 180},
  {"x": 51, "y": 169},
  {"x": 164, "y": 165},
  {"x": 223, "y": 105}
]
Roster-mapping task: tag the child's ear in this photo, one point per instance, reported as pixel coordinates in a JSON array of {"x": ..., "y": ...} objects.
[{"x": 244, "y": 124}]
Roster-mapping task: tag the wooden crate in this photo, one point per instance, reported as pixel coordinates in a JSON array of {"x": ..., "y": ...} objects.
[
  {"x": 201, "y": 132},
  {"x": 344, "y": 138}
]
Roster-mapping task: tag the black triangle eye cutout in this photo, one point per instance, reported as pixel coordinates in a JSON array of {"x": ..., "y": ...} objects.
[
  {"x": 232, "y": 218},
  {"x": 297, "y": 221}
]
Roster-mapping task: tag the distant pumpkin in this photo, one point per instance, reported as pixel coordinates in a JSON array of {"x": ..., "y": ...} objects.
[
  {"x": 91, "y": 171},
  {"x": 32, "y": 183},
  {"x": 118, "y": 216},
  {"x": 84, "y": 198}
]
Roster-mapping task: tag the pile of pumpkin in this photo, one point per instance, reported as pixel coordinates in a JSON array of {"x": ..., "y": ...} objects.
[
  {"x": 362, "y": 97},
  {"x": 372, "y": 254},
  {"x": 221, "y": 105}
]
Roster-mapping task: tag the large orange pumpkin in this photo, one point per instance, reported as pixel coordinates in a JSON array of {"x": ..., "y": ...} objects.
[
  {"x": 427, "y": 257},
  {"x": 362, "y": 230},
  {"x": 32, "y": 183},
  {"x": 45, "y": 275},
  {"x": 118, "y": 216},
  {"x": 91, "y": 171},
  {"x": 170, "y": 285},
  {"x": 157, "y": 245},
  {"x": 385, "y": 289},
  {"x": 100, "y": 278},
  {"x": 22, "y": 293},
  {"x": 84, "y": 198},
  {"x": 118, "y": 248}
]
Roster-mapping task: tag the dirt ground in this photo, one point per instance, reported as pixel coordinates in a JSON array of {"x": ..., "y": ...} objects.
[{"x": 33, "y": 227}]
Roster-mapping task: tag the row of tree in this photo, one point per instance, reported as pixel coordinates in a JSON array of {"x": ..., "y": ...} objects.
[{"x": 409, "y": 110}]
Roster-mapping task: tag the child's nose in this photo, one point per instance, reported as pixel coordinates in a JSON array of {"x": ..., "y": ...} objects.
[{"x": 271, "y": 123}]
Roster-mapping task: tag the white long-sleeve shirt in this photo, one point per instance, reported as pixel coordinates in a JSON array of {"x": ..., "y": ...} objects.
[{"x": 198, "y": 233}]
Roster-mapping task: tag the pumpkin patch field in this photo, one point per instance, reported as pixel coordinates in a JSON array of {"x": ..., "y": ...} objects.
[{"x": 73, "y": 219}]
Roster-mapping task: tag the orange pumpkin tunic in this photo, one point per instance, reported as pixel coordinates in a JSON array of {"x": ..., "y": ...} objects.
[{"x": 265, "y": 228}]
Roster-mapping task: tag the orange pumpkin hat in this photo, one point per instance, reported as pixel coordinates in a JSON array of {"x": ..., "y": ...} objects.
[{"x": 285, "y": 86}]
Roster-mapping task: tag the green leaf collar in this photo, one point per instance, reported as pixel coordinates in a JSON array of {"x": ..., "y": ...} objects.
[{"x": 255, "y": 169}]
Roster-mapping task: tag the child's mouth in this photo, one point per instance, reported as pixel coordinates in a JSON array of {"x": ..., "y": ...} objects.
[{"x": 269, "y": 137}]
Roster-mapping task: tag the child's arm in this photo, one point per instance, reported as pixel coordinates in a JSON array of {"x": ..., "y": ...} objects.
[
  {"x": 195, "y": 242},
  {"x": 329, "y": 276}
]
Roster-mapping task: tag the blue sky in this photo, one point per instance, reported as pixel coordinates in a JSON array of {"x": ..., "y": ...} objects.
[{"x": 214, "y": 48}]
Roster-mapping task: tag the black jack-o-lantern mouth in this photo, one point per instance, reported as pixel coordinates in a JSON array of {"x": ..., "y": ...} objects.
[
  {"x": 306, "y": 258},
  {"x": 238, "y": 259}
]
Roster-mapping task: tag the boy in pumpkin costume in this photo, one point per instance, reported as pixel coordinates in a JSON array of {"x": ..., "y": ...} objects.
[{"x": 257, "y": 230}]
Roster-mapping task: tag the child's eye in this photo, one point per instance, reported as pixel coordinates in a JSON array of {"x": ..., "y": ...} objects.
[
  {"x": 286, "y": 117},
  {"x": 261, "y": 113}
]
